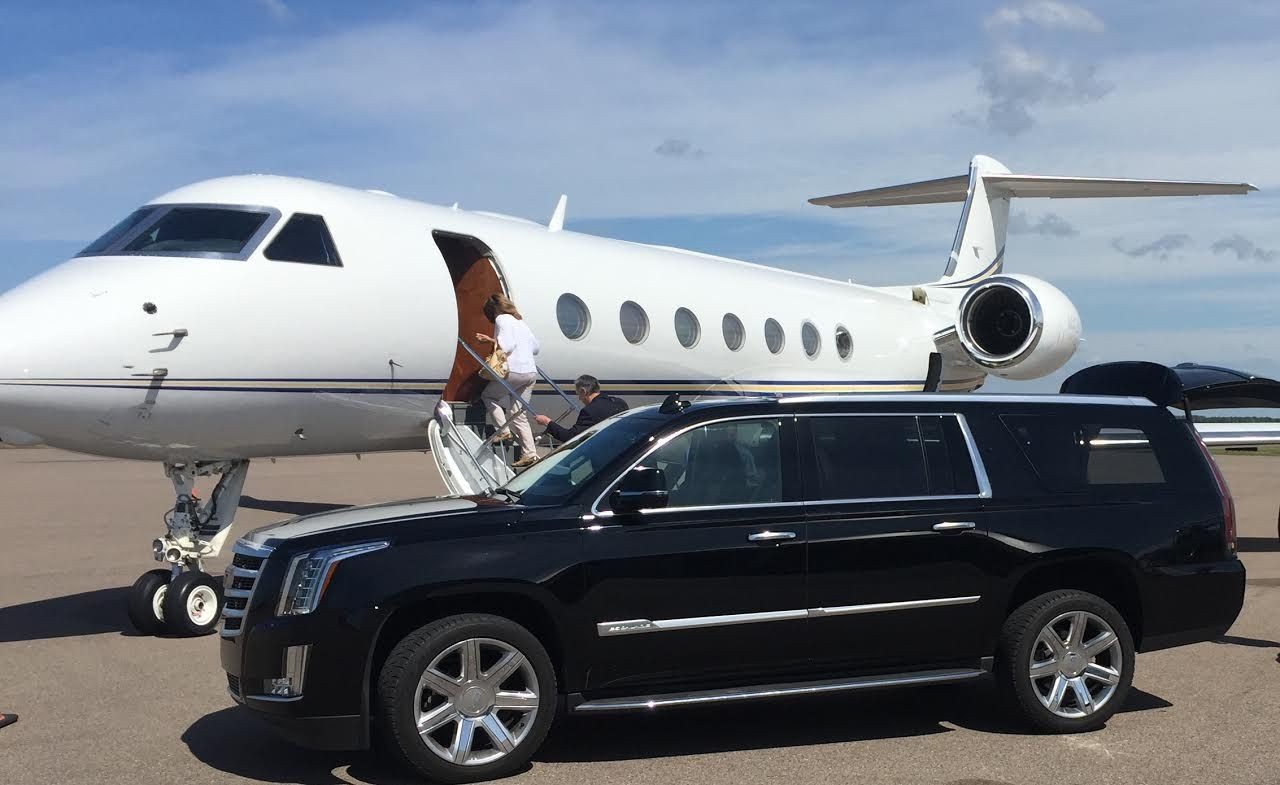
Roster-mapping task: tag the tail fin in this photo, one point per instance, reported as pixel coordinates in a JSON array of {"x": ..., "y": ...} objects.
[{"x": 978, "y": 249}]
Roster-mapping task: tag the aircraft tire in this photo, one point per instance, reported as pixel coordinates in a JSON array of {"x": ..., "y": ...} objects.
[
  {"x": 193, "y": 604},
  {"x": 146, "y": 601}
]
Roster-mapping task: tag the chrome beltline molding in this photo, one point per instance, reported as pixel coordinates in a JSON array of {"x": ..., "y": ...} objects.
[{"x": 607, "y": 629}]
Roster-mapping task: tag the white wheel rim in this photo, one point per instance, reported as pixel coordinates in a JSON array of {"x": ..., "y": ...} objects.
[
  {"x": 157, "y": 601},
  {"x": 1076, "y": 664},
  {"x": 476, "y": 702},
  {"x": 202, "y": 605}
]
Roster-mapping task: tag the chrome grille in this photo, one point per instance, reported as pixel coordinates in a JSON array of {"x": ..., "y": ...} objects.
[{"x": 239, "y": 581}]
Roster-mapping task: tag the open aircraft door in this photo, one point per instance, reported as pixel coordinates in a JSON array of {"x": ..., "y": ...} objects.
[
  {"x": 1190, "y": 387},
  {"x": 469, "y": 467}
]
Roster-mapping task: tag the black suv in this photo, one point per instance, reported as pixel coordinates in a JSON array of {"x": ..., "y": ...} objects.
[{"x": 742, "y": 549}]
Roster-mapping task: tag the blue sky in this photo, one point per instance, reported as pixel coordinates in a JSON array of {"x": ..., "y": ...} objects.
[{"x": 699, "y": 124}]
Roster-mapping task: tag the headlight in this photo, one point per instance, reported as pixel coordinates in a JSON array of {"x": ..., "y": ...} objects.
[{"x": 309, "y": 575}]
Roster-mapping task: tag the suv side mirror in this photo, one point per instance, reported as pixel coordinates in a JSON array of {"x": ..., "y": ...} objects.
[{"x": 643, "y": 488}]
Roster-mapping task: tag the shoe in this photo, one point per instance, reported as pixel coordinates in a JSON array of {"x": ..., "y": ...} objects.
[
  {"x": 525, "y": 462},
  {"x": 503, "y": 435}
]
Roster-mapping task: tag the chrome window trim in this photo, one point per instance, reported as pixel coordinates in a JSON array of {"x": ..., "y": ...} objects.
[
  {"x": 610, "y": 629},
  {"x": 970, "y": 397},
  {"x": 975, "y": 457},
  {"x": 659, "y": 444},
  {"x": 164, "y": 208},
  {"x": 979, "y": 469}
]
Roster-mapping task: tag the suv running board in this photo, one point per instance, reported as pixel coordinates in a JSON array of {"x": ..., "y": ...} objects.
[{"x": 702, "y": 697}]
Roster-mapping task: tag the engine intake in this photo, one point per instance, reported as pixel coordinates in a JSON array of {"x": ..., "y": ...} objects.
[{"x": 1017, "y": 326}]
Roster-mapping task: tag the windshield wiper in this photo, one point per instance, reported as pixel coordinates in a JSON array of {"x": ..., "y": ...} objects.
[{"x": 512, "y": 496}]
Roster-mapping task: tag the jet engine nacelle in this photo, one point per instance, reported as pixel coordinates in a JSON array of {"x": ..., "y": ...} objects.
[{"x": 1017, "y": 326}]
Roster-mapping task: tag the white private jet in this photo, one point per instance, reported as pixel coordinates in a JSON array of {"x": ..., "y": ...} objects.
[{"x": 258, "y": 316}]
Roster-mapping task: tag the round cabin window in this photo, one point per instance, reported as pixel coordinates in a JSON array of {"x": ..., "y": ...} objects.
[
  {"x": 734, "y": 333},
  {"x": 687, "y": 328},
  {"x": 573, "y": 316},
  {"x": 634, "y": 322},
  {"x": 844, "y": 342},
  {"x": 774, "y": 337},
  {"x": 810, "y": 339}
]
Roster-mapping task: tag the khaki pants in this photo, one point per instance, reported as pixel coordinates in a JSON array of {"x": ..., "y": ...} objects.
[{"x": 499, "y": 404}]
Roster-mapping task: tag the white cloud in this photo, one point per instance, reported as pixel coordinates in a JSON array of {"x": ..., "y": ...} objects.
[
  {"x": 1048, "y": 225},
  {"x": 679, "y": 148},
  {"x": 277, "y": 9},
  {"x": 1018, "y": 80},
  {"x": 1245, "y": 249},
  {"x": 1047, "y": 15},
  {"x": 1161, "y": 247}
]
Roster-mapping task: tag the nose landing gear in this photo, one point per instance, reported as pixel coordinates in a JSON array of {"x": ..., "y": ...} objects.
[{"x": 183, "y": 599}]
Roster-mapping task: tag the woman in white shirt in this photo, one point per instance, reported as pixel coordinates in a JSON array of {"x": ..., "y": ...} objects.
[{"x": 514, "y": 337}]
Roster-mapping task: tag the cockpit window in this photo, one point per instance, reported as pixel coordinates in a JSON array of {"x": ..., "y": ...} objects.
[
  {"x": 118, "y": 231},
  {"x": 304, "y": 239},
  {"x": 217, "y": 230}
]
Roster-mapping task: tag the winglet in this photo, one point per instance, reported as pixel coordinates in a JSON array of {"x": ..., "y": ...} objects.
[{"x": 557, "y": 218}]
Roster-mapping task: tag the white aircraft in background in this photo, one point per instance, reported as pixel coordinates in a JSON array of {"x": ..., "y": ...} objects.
[{"x": 258, "y": 316}]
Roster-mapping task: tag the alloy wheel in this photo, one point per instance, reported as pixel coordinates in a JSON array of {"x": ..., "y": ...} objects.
[
  {"x": 476, "y": 701},
  {"x": 1075, "y": 664}
]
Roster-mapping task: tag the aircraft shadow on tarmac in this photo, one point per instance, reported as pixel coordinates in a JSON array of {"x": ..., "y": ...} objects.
[
  {"x": 1258, "y": 544},
  {"x": 233, "y": 741},
  {"x": 87, "y": 613}
]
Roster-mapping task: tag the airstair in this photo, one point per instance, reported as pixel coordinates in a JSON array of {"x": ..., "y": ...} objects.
[{"x": 466, "y": 447}]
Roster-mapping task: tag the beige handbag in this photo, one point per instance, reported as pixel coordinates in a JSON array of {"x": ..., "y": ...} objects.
[{"x": 496, "y": 364}]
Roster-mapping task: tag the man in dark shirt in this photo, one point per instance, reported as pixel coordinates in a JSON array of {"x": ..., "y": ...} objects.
[{"x": 596, "y": 406}]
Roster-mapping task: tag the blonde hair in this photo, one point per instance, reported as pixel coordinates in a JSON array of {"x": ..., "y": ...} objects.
[{"x": 499, "y": 304}]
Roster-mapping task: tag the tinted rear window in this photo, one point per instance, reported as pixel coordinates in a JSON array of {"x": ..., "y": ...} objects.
[
  {"x": 1072, "y": 455},
  {"x": 215, "y": 230},
  {"x": 306, "y": 239}
]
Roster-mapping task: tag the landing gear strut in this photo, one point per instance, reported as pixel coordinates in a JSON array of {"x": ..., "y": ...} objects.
[{"x": 184, "y": 599}]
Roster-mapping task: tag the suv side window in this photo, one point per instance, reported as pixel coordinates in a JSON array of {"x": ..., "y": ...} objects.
[
  {"x": 947, "y": 457},
  {"x": 888, "y": 456},
  {"x": 723, "y": 463},
  {"x": 1070, "y": 455}
]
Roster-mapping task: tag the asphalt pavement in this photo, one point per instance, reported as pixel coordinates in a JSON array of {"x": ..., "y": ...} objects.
[{"x": 101, "y": 705}]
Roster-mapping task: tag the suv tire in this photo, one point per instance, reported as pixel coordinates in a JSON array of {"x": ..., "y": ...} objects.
[
  {"x": 1065, "y": 661},
  {"x": 483, "y": 689}
]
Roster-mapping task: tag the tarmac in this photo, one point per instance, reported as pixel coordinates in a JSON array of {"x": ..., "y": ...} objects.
[{"x": 100, "y": 704}]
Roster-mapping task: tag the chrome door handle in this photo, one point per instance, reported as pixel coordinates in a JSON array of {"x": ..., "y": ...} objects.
[
  {"x": 954, "y": 526},
  {"x": 181, "y": 332},
  {"x": 768, "y": 536}
]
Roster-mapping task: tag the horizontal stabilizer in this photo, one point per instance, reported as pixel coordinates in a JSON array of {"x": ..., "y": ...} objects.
[
  {"x": 956, "y": 189},
  {"x": 944, "y": 189}
]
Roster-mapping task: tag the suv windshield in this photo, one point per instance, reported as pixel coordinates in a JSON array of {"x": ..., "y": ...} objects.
[{"x": 558, "y": 475}]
